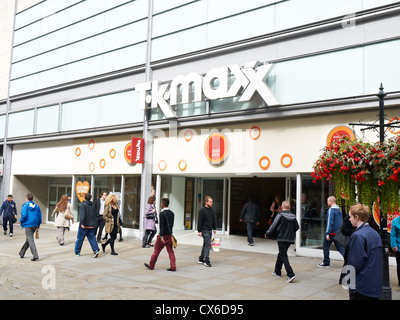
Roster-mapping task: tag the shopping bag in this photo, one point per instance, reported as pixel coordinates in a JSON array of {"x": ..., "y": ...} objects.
[{"x": 215, "y": 244}]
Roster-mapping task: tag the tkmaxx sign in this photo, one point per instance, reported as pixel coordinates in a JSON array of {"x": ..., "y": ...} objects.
[{"x": 225, "y": 82}]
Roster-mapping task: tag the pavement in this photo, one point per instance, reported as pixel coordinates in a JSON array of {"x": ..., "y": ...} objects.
[{"x": 238, "y": 272}]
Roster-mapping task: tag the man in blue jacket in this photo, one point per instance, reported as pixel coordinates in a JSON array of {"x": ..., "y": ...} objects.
[
  {"x": 333, "y": 223},
  {"x": 31, "y": 218},
  {"x": 9, "y": 208},
  {"x": 365, "y": 255}
]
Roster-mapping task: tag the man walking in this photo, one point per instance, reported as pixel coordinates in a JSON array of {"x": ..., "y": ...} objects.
[
  {"x": 334, "y": 222},
  {"x": 164, "y": 238},
  {"x": 9, "y": 208},
  {"x": 87, "y": 226},
  {"x": 251, "y": 216},
  {"x": 31, "y": 218},
  {"x": 99, "y": 209},
  {"x": 365, "y": 254},
  {"x": 206, "y": 224},
  {"x": 286, "y": 225}
]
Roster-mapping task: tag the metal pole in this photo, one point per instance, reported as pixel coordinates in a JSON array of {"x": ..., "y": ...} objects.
[
  {"x": 381, "y": 95},
  {"x": 386, "y": 290}
]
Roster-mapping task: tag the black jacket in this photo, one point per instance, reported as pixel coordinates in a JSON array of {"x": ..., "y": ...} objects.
[
  {"x": 207, "y": 219},
  {"x": 285, "y": 225},
  {"x": 166, "y": 222},
  {"x": 250, "y": 212},
  {"x": 87, "y": 215}
]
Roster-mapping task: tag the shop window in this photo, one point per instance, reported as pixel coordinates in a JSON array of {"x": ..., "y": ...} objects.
[
  {"x": 108, "y": 184},
  {"x": 21, "y": 123},
  {"x": 313, "y": 211},
  {"x": 131, "y": 217},
  {"x": 47, "y": 119},
  {"x": 2, "y": 126}
]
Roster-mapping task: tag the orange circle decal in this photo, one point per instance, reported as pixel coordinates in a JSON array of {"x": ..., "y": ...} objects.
[
  {"x": 113, "y": 153},
  {"x": 262, "y": 159},
  {"x": 255, "y": 133},
  {"x": 339, "y": 132},
  {"x": 78, "y": 152},
  {"x": 286, "y": 165},
  {"x": 390, "y": 129},
  {"x": 91, "y": 144},
  {"x": 182, "y": 165},
  {"x": 102, "y": 163},
  {"x": 216, "y": 147},
  {"x": 91, "y": 167},
  {"x": 188, "y": 135},
  {"x": 162, "y": 165}
]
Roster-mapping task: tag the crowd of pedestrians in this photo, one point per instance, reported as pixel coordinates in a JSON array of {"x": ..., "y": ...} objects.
[{"x": 358, "y": 243}]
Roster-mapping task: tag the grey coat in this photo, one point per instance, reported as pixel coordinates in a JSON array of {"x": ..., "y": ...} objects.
[{"x": 250, "y": 212}]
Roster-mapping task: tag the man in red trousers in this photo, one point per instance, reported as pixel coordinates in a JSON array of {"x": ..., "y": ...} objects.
[{"x": 164, "y": 238}]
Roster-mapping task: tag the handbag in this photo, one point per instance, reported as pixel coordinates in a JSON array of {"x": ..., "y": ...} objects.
[
  {"x": 14, "y": 218},
  {"x": 68, "y": 215},
  {"x": 174, "y": 242},
  {"x": 342, "y": 239},
  {"x": 150, "y": 216}
]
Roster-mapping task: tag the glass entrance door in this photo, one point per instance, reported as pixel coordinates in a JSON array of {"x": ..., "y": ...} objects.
[
  {"x": 215, "y": 188},
  {"x": 55, "y": 193}
]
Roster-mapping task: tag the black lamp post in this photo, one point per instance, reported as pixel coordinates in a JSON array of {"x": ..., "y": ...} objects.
[{"x": 386, "y": 290}]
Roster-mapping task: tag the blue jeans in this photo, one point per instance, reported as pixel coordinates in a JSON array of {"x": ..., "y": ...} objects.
[
  {"x": 8, "y": 219},
  {"x": 250, "y": 229},
  {"x": 90, "y": 234},
  {"x": 327, "y": 245}
]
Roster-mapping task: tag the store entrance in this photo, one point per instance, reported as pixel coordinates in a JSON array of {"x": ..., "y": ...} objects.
[
  {"x": 264, "y": 191},
  {"x": 55, "y": 193}
]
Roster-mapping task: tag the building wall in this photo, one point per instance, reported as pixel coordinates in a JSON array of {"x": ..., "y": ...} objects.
[
  {"x": 71, "y": 60},
  {"x": 182, "y": 152},
  {"x": 38, "y": 186},
  {"x": 76, "y": 63},
  {"x": 6, "y": 32},
  {"x": 105, "y": 155}
]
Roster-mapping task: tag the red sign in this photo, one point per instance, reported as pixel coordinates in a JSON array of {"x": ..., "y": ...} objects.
[
  {"x": 137, "y": 154},
  {"x": 216, "y": 147}
]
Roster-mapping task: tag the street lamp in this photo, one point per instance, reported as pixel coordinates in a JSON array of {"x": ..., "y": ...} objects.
[{"x": 386, "y": 290}]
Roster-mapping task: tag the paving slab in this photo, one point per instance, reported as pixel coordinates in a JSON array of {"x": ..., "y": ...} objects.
[{"x": 243, "y": 274}]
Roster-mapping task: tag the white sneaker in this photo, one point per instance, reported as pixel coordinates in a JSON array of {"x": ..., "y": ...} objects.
[
  {"x": 276, "y": 275},
  {"x": 323, "y": 265},
  {"x": 11, "y": 234},
  {"x": 290, "y": 279}
]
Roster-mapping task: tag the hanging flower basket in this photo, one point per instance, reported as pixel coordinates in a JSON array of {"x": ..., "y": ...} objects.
[{"x": 361, "y": 172}]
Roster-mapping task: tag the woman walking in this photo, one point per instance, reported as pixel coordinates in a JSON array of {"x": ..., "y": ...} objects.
[
  {"x": 149, "y": 222},
  {"x": 63, "y": 218},
  {"x": 111, "y": 217}
]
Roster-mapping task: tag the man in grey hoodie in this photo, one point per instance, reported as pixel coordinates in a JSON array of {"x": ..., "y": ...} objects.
[{"x": 285, "y": 225}]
